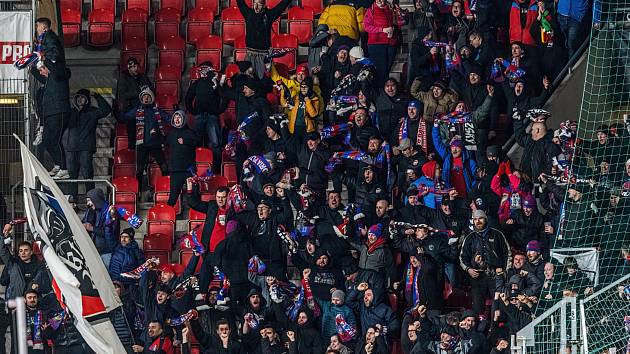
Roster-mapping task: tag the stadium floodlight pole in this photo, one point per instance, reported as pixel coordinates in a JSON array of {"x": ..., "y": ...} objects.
[{"x": 20, "y": 317}]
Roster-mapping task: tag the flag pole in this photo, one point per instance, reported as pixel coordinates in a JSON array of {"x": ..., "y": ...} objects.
[{"x": 20, "y": 318}]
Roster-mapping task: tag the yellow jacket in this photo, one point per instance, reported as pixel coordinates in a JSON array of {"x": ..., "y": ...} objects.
[
  {"x": 311, "y": 111},
  {"x": 294, "y": 86},
  {"x": 345, "y": 18}
]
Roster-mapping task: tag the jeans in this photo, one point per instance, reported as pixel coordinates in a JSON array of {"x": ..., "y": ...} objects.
[
  {"x": 571, "y": 29},
  {"x": 80, "y": 163},
  {"x": 450, "y": 269},
  {"x": 383, "y": 57},
  {"x": 54, "y": 126},
  {"x": 482, "y": 288}
]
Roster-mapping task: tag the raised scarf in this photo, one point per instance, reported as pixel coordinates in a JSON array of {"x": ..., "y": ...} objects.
[
  {"x": 191, "y": 241},
  {"x": 345, "y": 331},
  {"x": 142, "y": 269},
  {"x": 132, "y": 219}
]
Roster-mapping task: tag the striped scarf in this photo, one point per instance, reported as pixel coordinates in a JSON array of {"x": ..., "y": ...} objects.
[
  {"x": 140, "y": 123},
  {"x": 256, "y": 265},
  {"x": 411, "y": 283},
  {"x": 345, "y": 331},
  {"x": 34, "y": 336}
]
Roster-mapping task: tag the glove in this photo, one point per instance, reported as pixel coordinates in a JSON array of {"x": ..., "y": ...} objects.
[
  {"x": 436, "y": 123},
  {"x": 7, "y": 240}
]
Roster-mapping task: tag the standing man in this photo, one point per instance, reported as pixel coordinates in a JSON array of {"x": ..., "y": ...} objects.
[
  {"x": 51, "y": 72},
  {"x": 81, "y": 143},
  {"x": 130, "y": 84},
  {"x": 258, "y": 21}
]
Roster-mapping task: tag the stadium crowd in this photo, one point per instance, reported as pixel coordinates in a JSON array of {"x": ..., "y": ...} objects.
[{"x": 370, "y": 215}]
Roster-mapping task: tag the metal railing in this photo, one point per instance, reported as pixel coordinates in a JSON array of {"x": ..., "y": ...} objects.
[{"x": 555, "y": 331}]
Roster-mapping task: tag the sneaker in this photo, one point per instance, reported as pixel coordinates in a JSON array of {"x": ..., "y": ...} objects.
[
  {"x": 54, "y": 170},
  {"x": 39, "y": 136},
  {"x": 62, "y": 174}
]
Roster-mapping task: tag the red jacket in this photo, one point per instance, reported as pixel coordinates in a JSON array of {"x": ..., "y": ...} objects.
[
  {"x": 377, "y": 18},
  {"x": 518, "y": 33}
]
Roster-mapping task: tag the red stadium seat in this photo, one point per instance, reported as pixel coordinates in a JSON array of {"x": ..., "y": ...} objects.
[
  {"x": 162, "y": 192},
  {"x": 154, "y": 174},
  {"x": 163, "y": 256},
  {"x": 213, "y": 5},
  {"x": 172, "y": 53},
  {"x": 196, "y": 223},
  {"x": 135, "y": 47},
  {"x": 228, "y": 170},
  {"x": 286, "y": 41},
  {"x": 126, "y": 192},
  {"x": 121, "y": 142},
  {"x": 139, "y": 4},
  {"x": 301, "y": 23},
  {"x": 233, "y": 3},
  {"x": 178, "y": 268},
  {"x": 204, "y": 160},
  {"x": 231, "y": 70},
  {"x": 196, "y": 215},
  {"x": 167, "y": 86},
  {"x": 121, "y": 129},
  {"x": 157, "y": 241},
  {"x": 232, "y": 25},
  {"x": 179, "y": 5},
  {"x": 240, "y": 49},
  {"x": 104, "y": 4},
  {"x": 134, "y": 25},
  {"x": 71, "y": 25},
  {"x": 161, "y": 219},
  {"x": 316, "y": 5},
  {"x": 214, "y": 183},
  {"x": 199, "y": 24},
  {"x": 101, "y": 28},
  {"x": 167, "y": 22},
  {"x": 167, "y": 102},
  {"x": 396, "y": 348},
  {"x": 125, "y": 156},
  {"x": 184, "y": 258},
  {"x": 210, "y": 48},
  {"x": 124, "y": 163},
  {"x": 71, "y": 4}
]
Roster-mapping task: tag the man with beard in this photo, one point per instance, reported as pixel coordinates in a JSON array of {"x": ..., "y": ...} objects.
[
  {"x": 322, "y": 277},
  {"x": 468, "y": 332},
  {"x": 266, "y": 244},
  {"x": 373, "y": 312},
  {"x": 535, "y": 261},
  {"x": 390, "y": 106},
  {"x": 485, "y": 255},
  {"x": 410, "y": 212},
  {"x": 526, "y": 225},
  {"x": 36, "y": 323},
  {"x": 529, "y": 283},
  {"x": 81, "y": 136},
  {"x": 445, "y": 218},
  {"x": 255, "y": 314},
  {"x": 432, "y": 251},
  {"x": 408, "y": 125},
  {"x": 270, "y": 342},
  {"x": 156, "y": 340},
  {"x": 303, "y": 337},
  {"x": 223, "y": 341},
  {"x": 372, "y": 343}
]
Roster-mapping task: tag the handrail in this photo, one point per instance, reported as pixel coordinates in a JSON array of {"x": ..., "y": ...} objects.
[{"x": 568, "y": 68}]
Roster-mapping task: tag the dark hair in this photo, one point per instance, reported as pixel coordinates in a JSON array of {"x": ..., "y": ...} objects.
[
  {"x": 375, "y": 137},
  {"x": 31, "y": 291},
  {"x": 25, "y": 243},
  {"x": 332, "y": 351},
  {"x": 221, "y": 322},
  {"x": 45, "y": 21},
  {"x": 475, "y": 34},
  {"x": 392, "y": 80},
  {"x": 334, "y": 191},
  {"x": 223, "y": 189}
]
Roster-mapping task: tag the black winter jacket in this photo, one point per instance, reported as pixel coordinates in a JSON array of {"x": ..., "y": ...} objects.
[
  {"x": 55, "y": 96},
  {"x": 258, "y": 25},
  {"x": 181, "y": 156},
  {"x": 82, "y": 125},
  {"x": 491, "y": 245}
]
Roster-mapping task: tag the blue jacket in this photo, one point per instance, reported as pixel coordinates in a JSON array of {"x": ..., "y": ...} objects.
[
  {"x": 470, "y": 167},
  {"x": 103, "y": 235},
  {"x": 377, "y": 313},
  {"x": 429, "y": 199},
  {"x": 329, "y": 312},
  {"x": 575, "y": 9},
  {"x": 124, "y": 259}
]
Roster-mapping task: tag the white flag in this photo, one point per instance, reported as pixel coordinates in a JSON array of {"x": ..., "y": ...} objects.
[{"x": 79, "y": 274}]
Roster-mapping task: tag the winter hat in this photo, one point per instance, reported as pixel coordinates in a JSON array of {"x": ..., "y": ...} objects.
[
  {"x": 477, "y": 214},
  {"x": 343, "y": 47},
  {"x": 468, "y": 313},
  {"x": 243, "y": 65},
  {"x": 457, "y": 142},
  {"x": 376, "y": 230},
  {"x": 529, "y": 201},
  {"x": 231, "y": 226},
  {"x": 146, "y": 90},
  {"x": 476, "y": 69},
  {"x": 83, "y": 92},
  {"x": 428, "y": 169},
  {"x": 322, "y": 28},
  {"x": 414, "y": 103},
  {"x": 129, "y": 231},
  {"x": 252, "y": 84},
  {"x": 313, "y": 136},
  {"x": 182, "y": 114},
  {"x": 302, "y": 68},
  {"x": 264, "y": 202},
  {"x": 350, "y": 268},
  {"x": 164, "y": 288},
  {"x": 274, "y": 126},
  {"x": 339, "y": 294},
  {"x": 357, "y": 52},
  {"x": 167, "y": 268},
  {"x": 441, "y": 84},
  {"x": 492, "y": 151},
  {"x": 533, "y": 245},
  {"x": 412, "y": 192}
]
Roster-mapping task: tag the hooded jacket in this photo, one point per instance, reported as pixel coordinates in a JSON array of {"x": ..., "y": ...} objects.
[
  {"x": 377, "y": 313},
  {"x": 13, "y": 276},
  {"x": 537, "y": 154},
  {"x": 432, "y": 106},
  {"x": 329, "y": 312},
  {"x": 82, "y": 125},
  {"x": 232, "y": 255},
  {"x": 103, "y": 235},
  {"x": 181, "y": 156},
  {"x": 491, "y": 244}
]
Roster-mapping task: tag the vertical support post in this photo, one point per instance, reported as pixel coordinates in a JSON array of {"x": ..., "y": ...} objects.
[
  {"x": 583, "y": 329},
  {"x": 563, "y": 326},
  {"x": 574, "y": 326},
  {"x": 19, "y": 310}
]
